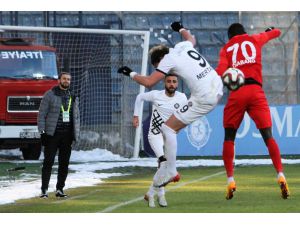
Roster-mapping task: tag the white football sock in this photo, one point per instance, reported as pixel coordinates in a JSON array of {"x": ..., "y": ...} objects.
[
  {"x": 161, "y": 191},
  {"x": 152, "y": 190},
  {"x": 280, "y": 174},
  {"x": 230, "y": 179}
]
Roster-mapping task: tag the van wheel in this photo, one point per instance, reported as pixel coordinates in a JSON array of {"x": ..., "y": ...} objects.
[{"x": 32, "y": 152}]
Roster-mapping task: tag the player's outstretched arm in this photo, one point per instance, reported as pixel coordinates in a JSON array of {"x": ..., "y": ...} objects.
[
  {"x": 177, "y": 27},
  {"x": 269, "y": 34},
  {"x": 147, "y": 81}
]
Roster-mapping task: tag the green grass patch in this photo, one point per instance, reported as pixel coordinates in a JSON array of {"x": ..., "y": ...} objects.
[{"x": 257, "y": 192}]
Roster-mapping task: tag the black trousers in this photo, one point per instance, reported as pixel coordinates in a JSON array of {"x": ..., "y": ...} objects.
[{"x": 61, "y": 142}]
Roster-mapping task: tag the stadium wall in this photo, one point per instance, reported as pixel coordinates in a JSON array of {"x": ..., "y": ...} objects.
[
  {"x": 280, "y": 57},
  {"x": 205, "y": 136}
]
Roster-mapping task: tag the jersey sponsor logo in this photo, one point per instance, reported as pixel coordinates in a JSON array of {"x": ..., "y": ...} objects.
[
  {"x": 156, "y": 122},
  {"x": 21, "y": 55},
  {"x": 198, "y": 132}
]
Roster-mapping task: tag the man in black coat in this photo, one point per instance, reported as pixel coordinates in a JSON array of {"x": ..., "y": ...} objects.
[{"x": 58, "y": 124}]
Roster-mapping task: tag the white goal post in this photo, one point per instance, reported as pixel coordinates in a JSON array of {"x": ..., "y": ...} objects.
[{"x": 106, "y": 98}]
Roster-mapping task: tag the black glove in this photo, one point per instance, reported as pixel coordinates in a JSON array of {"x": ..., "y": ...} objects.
[
  {"x": 269, "y": 29},
  {"x": 176, "y": 26},
  {"x": 44, "y": 139},
  {"x": 125, "y": 70}
]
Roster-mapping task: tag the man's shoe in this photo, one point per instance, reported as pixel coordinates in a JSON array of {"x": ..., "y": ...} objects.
[
  {"x": 172, "y": 179},
  {"x": 230, "y": 189},
  {"x": 44, "y": 194},
  {"x": 176, "y": 178},
  {"x": 162, "y": 201},
  {"x": 60, "y": 194},
  {"x": 283, "y": 187},
  {"x": 164, "y": 175},
  {"x": 150, "y": 200}
]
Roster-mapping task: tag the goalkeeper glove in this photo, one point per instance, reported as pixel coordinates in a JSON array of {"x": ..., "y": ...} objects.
[
  {"x": 269, "y": 29},
  {"x": 127, "y": 71},
  {"x": 176, "y": 26}
]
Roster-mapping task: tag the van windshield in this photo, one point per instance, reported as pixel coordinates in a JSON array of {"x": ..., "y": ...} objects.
[{"x": 28, "y": 64}]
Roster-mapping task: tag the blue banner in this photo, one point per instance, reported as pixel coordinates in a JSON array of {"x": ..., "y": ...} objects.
[{"x": 205, "y": 136}]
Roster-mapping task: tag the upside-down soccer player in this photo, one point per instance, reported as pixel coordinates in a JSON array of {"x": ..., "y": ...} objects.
[{"x": 205, "y": 85}]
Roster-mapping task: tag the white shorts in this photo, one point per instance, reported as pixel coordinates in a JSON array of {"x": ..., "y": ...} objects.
[{"x": 197, "y": 107}]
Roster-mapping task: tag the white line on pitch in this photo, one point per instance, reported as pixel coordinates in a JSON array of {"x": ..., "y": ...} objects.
[{"x": 112, "y": 208}]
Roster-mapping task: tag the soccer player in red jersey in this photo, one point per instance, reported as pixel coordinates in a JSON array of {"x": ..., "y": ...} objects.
[{"x": 243, "y": 51}]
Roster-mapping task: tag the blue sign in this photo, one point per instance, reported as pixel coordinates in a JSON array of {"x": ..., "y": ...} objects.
[{"x": 205, "y": 136}]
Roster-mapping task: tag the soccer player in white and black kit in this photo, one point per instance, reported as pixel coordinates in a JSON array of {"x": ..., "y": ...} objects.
[
  {"x": 205, "y": 85},
  {"x": 164, "y": 103}
]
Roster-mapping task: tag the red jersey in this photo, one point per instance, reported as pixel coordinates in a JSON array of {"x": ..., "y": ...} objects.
[{"x": 244, "y": 52}]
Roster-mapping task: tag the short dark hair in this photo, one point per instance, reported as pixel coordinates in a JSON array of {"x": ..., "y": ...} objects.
[
  {"x": 63, "y": 73},
  {"x": 235, "y": 29},
  {"x": 170, "y": 75},
  {"x": 157, "y": 53}
]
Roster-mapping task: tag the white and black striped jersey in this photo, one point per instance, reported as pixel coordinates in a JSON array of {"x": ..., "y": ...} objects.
[
  {"x": 163, "y": 107},
  {"x": 184, "y": 61}
]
